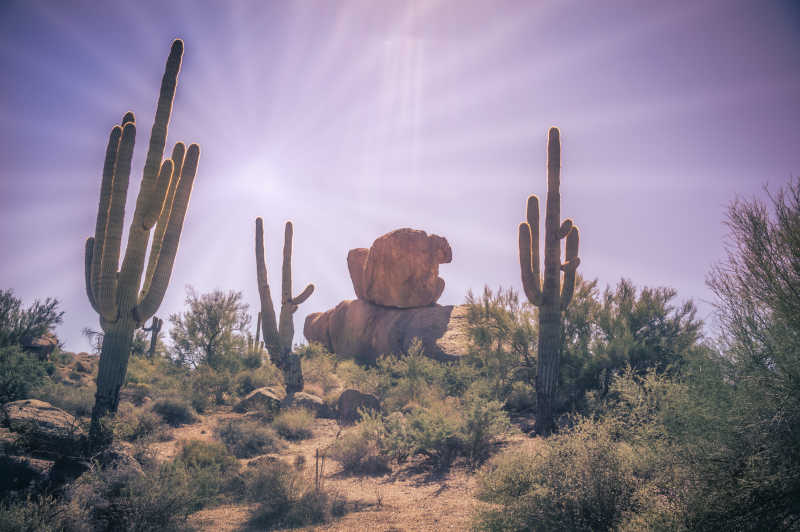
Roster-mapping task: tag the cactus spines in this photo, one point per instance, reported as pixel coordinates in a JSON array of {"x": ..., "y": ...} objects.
[
  {"x": 278, "y": 335},
  {"x": 550, "y": 294},
  {"x": 114, "y": 291}
]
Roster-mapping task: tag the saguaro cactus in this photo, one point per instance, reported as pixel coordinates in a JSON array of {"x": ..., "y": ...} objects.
[
  {"x": 154, "y": 329},
  {"x": 551, "y": 296},
  {"x": 117, "y": 294},
  {"x": 278, "y": 335}
]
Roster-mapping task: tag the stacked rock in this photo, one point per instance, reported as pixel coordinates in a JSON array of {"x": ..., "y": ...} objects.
[{"x": 397, "y": 284}]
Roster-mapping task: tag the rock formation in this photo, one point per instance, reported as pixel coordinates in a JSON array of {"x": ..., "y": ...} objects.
[
  {"x": 397, "y": 284},
  {"x": 401, "y": 269}
]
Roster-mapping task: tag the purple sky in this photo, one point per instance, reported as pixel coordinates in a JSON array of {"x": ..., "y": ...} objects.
[{"x": 356, "y": 118}]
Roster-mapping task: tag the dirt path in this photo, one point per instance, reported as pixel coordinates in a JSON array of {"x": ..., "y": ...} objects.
[{"x": 408, "y": 498}]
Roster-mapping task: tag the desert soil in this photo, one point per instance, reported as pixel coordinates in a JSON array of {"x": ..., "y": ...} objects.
[{"x": 408, "y": 498}]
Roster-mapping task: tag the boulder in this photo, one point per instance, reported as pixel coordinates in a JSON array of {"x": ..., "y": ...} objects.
[
  {"x": 310, "y": 402},
  {"x": 401, "y": 269},
  {"x": 267, "y": 399},
  {"x": 349, "y": 403},
  {"x": 23, "y": 472},
  {"x": 42, "y": 346},
  {"x": 363, "y": 331},
  {"x": 43, "y": 427}
]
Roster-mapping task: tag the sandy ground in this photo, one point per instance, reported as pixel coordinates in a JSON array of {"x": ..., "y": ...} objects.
[{"x": 408, "y": 498}]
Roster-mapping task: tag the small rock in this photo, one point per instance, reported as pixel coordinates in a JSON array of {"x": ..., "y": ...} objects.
[
  {"x": 351, "y": 401},
  {"x": 42, "y": 346},
  {"x": 311, "y": 402},
  {"x": 266, "y": 399}
]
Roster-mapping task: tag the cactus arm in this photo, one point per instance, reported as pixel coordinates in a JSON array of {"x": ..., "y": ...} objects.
[
  {"x": 258, "y": 329},
  {"x": 178, "y": 153},
  {"x": 569, "y": 267},
  {"x": 158, "y": 137},
  {"x": 129, "y": 117},
  {"x": 107, "y": 296},
  {"x": 286, "y": 271},
  {"x": 566, "y": 227},
  {"x": 529, "y": 252},
  {"x": 269, "y": 325},
  {"x": 305, "y": 294},
  {"x": 106, "y": 187},
  {"x": 169, "y": 246},
  {"x": 89, "y": 251}
]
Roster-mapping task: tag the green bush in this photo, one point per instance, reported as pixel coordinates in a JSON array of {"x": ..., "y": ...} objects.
[
  {"x": 20, "y": 374},
  {"x": 130, "y": 500},
  {"x": 132, "y": 424},
  {"x": 363, "y": 449},
  {"x": 522, "y": 397},
  {"x": 211, "y": 467},
  {"x": 579, "y": 480},
  {"x": 294, "y": 424},
  {"x": 319, "y": 368},
  {"x": 265, "y": 375},
  {"x": 35, "y": 514},
  {"x": 175, "y": 411},
  {"x": 246, "y": 438},
  {"x": 77, "y": 400},
  {"x": 286, "y": 499}
]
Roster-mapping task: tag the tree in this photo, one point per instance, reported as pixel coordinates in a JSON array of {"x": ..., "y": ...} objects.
[
  {"x": 756, "y": 482},
  {"x": 17, "y": 323},
  {"x": 212, "y": 331}
]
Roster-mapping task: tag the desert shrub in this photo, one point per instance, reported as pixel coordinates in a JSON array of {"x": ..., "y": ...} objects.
[
  {"x": 409, "y": 379},
  {"x": 294, "y": 423},
  {"x": 319, "y": 368},
  {"x": 20, "y": 374},
  {"x": 17, "y": 323},
  {"x": 175, "y": 411},
  {"x": 77, "y": 400},
  {"x": 522, "y": 397},
  {"x": 265, "y": 375},
  {"x": 579, "y": 480},
  {"x": 132, "y": 424},
  {"x": 361, "y": 378},
  {"x": 125, "y": 499},
  {"x": 210, "y": 387},
  {"x": 286, "y": 498},
  {"x": 246, "y": 438},
  {"x": 363, "y": 449},
  {"x": 158, "y": 375},
  {"x": 211, "y": 467},
  {"x": 42, "y": 513}
]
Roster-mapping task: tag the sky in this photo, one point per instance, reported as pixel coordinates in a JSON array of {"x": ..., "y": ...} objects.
[{"x": 354, "y": 118}]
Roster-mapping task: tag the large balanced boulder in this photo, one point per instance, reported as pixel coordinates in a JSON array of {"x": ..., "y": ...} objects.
[
  {"x": 43, "y": 427},
  {"x": 363, "y": 331},
  {"x": 401, "y": 269}
]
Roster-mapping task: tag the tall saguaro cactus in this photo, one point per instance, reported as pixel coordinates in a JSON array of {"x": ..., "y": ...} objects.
[
  {"x": 551, "y": 295},
  {"x": 117, "y": 293},
  {"x": 278, "y": 335}
]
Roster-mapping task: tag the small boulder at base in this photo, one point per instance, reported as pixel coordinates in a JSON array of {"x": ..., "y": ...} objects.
[
  {"x": 267, "y": 399},
  {"x": 42, "y": 346},
  {"x": 349, "y": 404},
  {"x": 23, "y": 472},
  {"x": 310, "y": 402},
  {"x": 43, "y": 427},
  {"x": 401, "y": 269}
]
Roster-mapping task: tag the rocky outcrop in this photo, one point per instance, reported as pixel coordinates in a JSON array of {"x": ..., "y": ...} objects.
[
  {"x": 363, "y": 331},
  {"x": 351, "y": 402},
  {"x": 401, "y": 269},
  {"x": 43, "y": 427},
  {"x": 41, "y": 346}
]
